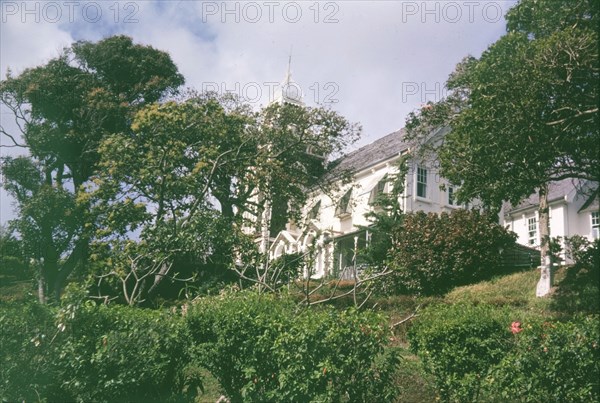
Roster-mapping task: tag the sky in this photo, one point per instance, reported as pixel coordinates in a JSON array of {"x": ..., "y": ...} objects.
[{"x": 372, "y": 61}]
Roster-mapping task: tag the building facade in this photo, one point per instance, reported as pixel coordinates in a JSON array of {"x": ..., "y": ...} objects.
[
  {"x": 336, "y": 226},
  {"x": 574, "y": 210}
]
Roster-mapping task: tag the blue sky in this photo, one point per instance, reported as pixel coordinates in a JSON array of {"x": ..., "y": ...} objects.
[{"x": 372, "y": 61}]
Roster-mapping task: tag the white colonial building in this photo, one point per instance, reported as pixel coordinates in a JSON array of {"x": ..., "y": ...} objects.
[
  {"x": 334, "y": 224},
  {"x": 573, "y": 211}
]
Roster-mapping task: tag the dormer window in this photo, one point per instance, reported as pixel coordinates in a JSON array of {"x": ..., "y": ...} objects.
[
  {"x": 314, "y": 212},
  {"x": 378, "y": 189},
  {"x": 343, "y": 206}
]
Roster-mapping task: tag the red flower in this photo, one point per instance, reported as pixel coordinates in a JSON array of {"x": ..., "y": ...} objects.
[{"x": 515, "y": 327}]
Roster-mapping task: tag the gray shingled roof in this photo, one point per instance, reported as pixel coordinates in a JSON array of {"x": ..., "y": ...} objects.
[
  {"x": 371, "y": 154},
  {"x": 556, "y": 190},
  {"x": 592, "y": 203}
]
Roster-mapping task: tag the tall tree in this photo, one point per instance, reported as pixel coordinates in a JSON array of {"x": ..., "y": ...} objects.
[
  {"x": 526, "y": 112},
  {"x": 63, "y": 110},
  {"x": 208, "y": 162}
]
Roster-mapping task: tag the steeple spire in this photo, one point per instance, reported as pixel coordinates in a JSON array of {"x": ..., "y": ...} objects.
[
  {"x": 289, "y": 91},
  {"x": 288, "y": 76}
]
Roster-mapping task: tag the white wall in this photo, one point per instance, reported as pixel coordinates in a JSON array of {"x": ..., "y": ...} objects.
[
  {"x": 436, "y": 200},
  {"x": 565, "y": 221}
]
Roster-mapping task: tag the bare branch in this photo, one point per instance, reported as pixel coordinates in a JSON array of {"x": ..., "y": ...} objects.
[{"x": 11, "y": 137}]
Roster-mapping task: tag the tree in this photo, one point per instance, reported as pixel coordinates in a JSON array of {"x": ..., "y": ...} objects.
[
  {"x": 386, "y": 218},
  {"x": 191, "y": 172},
  {"x": 526, "y": 112},
  {"x": 63, "y": 110},
  {"x": 13, "y": 259},
  {"x": 162, "y": 179}
]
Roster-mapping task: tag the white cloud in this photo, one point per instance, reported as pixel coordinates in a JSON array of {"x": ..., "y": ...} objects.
[{"x": 378, "y": 60}]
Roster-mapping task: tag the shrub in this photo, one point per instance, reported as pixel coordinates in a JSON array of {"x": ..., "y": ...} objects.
[
  {"x": 579, "y": 291},
  {"x": 434, "y": 253},
  {"x": 27, "y": 354},
  {"x": 260, "y": 350},
  {"x": 458, "y": 344},
  {"x": 550, "y": 361},
  {"x": 581, "y": 251},
  {"x": 118, "y": 353},
  {"x": 93, "y": 353}
]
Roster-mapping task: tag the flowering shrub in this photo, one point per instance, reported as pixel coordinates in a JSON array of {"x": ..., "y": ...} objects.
[
  {"x": 260, "y": 349},
  {"x": 550, "y": 361},
  {"x": 481, "y": 353},
  {"x": 435, "y": 253}
]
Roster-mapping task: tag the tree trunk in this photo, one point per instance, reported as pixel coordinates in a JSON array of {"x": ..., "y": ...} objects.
[
  {"x": 77, "y": 256},
  {"x": 41, "y": 285},
  {"x": 545, "y": 283},
  {"x": 226, "y": 207}
]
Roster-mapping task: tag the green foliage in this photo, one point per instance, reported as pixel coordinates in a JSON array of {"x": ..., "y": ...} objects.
[
  {"x": 385, "y": 218},
  {"x": 479, "y": 352},
  {"x": 525, "y": 113},
  {"x": 582, "y": 251},
  {"x": 93, "y": 353},
  {"x": 121, "y": 353},
  {"x": 458, "y": 344},
  {"x": 550, "y": 361},
  {"x": 434, "y": 253},
  {"x": 64, "y": 109},
  {"x": 579, "y": 292},
  {"x": 27, "y": 348},
  {"x": 13, "y": 258},
  {"x": 286, "y": 268},
  {"x": 260, "y": 350}
]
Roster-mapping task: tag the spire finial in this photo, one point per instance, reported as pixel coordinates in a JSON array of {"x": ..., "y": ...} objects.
[{"x": 289, "y": 69}]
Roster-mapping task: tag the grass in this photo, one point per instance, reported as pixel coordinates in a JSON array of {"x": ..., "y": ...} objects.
[
  {"x": 15, "y": 290},
  {"x": 211, "y": 392},
  {"x": 516, "y": 290}
]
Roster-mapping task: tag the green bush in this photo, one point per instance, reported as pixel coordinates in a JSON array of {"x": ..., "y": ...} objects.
[
  {"x": 458, "y": 344},
  {"x": 550, "y": 362},
  {"x": 435, "y": 253},
  {"x": 261, "y": 350},
  {"x": 579, "y": 291},
  {"x": 27, "y": 350},
  {"x": 119, "y": 353},
  {"x": 93, "y": 353},
  {"x": 581, "y": 251}
]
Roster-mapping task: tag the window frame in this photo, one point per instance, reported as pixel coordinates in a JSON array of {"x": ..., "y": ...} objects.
[
  {"x": 595, "y": 216},
  {"x": 421, "y": 179},
  {"x": 380, "y": 188},
  {"x": 532, "y": 230},
  {"x": 342, "y": 208},
  {"x": 315, "y": 211},
  {"x": 451, "y": 197}
]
